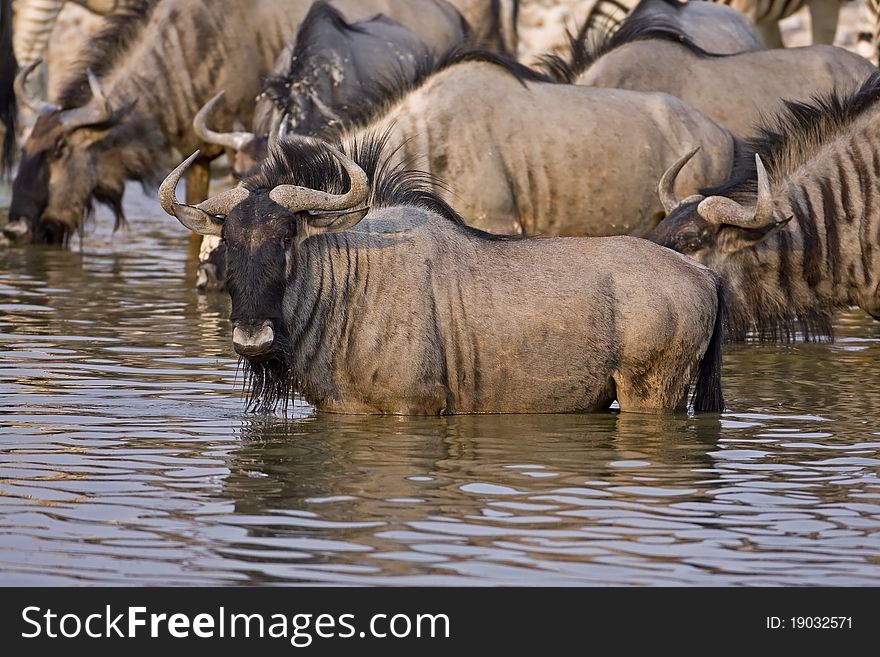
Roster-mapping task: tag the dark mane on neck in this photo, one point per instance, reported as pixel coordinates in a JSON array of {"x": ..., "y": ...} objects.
[
  {"x": 104, "y": 49},
  {"x": 785, "y": 143},
  {"x": 792, "y": 137},
  {"x": 594, "y": 41},
  {"x": 308, "y": 163}
]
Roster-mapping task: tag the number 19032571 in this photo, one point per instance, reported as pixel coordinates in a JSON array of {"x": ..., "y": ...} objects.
[{"x": 810, "y": 623}]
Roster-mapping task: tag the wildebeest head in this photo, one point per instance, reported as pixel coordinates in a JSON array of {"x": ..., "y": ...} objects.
[
  {"x": 261, "y": 229},
  {"x": 709, "y": 228},
  {"x": 65, "y": 163}
]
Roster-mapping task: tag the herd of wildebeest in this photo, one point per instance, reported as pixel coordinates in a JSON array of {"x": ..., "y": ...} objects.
[{"x": 423, "y": 224}]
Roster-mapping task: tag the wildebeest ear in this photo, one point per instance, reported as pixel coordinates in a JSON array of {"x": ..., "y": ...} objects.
[
  {"x": 319, "y": 221},
  {"x": 733, "y": 238},
  {"x": 198, "y": 221}
]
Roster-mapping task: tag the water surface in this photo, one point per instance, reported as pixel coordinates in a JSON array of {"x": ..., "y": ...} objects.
[{"x": 126, "y": 457}]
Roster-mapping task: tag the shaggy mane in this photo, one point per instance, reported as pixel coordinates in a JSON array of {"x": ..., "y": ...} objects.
[
  {"x": 308, "y": 163},
  {"x": 785, "y": 142},
  {"x": 101, "y": 52},
  {"x": 794, "y": 135},
  {"x": 593, "y": 41}
]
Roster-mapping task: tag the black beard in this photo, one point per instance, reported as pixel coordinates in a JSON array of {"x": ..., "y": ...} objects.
[{"x": 268, "y": 382}]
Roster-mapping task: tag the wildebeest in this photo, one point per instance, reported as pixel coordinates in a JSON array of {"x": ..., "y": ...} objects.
[
  {"x": 332, "y": 75},
  {"x": 517, "y": 154},
  {"x": 797, "y": 240},
  {"x": 153, "y": 73},
  {"x": 8, "y": 69},
  {"x": 713, "y": 27},
  {"x": 735, "y": 90},
  {"x": 355, "y": 285},
  {"x": 764, "y": 14}
]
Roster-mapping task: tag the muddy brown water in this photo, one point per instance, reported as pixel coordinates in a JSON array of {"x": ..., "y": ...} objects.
[{"x": 126, "y": 457}]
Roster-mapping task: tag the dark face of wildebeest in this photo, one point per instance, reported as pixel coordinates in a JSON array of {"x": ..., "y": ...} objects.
[
  {"x": 710, "y": 229},
  {"x": 68, "y": 161},
  {"x": 260, "y": 230}
]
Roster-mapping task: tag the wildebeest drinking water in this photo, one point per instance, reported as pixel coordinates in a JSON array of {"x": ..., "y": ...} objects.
[
  {"x": 155, "y": 69},
  {"x": 354, "y": 284}
]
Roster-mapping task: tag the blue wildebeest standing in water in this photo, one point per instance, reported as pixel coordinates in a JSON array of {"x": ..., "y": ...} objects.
[
  {"x": 355, "y": 285},
  {"x": 151, "y": 71},
  {"x": 794, "y": 231}
]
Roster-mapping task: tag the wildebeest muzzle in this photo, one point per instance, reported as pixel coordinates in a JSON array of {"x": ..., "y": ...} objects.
[{"x": 253, "y": 340}]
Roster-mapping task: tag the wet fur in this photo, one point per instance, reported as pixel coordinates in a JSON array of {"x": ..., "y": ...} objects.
[{"x": 382, "y": 92}]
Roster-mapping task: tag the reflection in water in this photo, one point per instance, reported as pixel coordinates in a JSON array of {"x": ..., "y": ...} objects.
[{"x": 125, "y": 457}]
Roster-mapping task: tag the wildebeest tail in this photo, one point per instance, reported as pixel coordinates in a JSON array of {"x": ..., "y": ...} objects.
[
  {"x": 8, "y": 69},
  {"x": 707, "y": 389}
]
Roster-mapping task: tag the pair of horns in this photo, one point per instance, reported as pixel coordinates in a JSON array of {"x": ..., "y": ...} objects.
[
  {"x": 720, "y": 209},
  {"x": 96, "y": 111},
  {"x": 207, "y": 217}
]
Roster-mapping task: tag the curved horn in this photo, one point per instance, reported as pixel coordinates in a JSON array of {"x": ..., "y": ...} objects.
[
  {"x": 168, "y": 188},
  {"x": 666, "y": 188},
  {"x": 204, "y": 218},
  {"x": 20, "y": 86},
  {"x": 97, "y": 110},
  {"x": 722, "y": 210},
  {"x": 234, "y": 140},
  {"x": 298, "y": 199}
]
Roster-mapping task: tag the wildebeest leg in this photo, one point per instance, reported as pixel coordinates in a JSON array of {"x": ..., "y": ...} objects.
[
  {"x": 198, "y": 177},
  {"x": 660, "y": 386},
  {"x": 770, "y": 35},
  {"x": 823, "y": 18}
]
